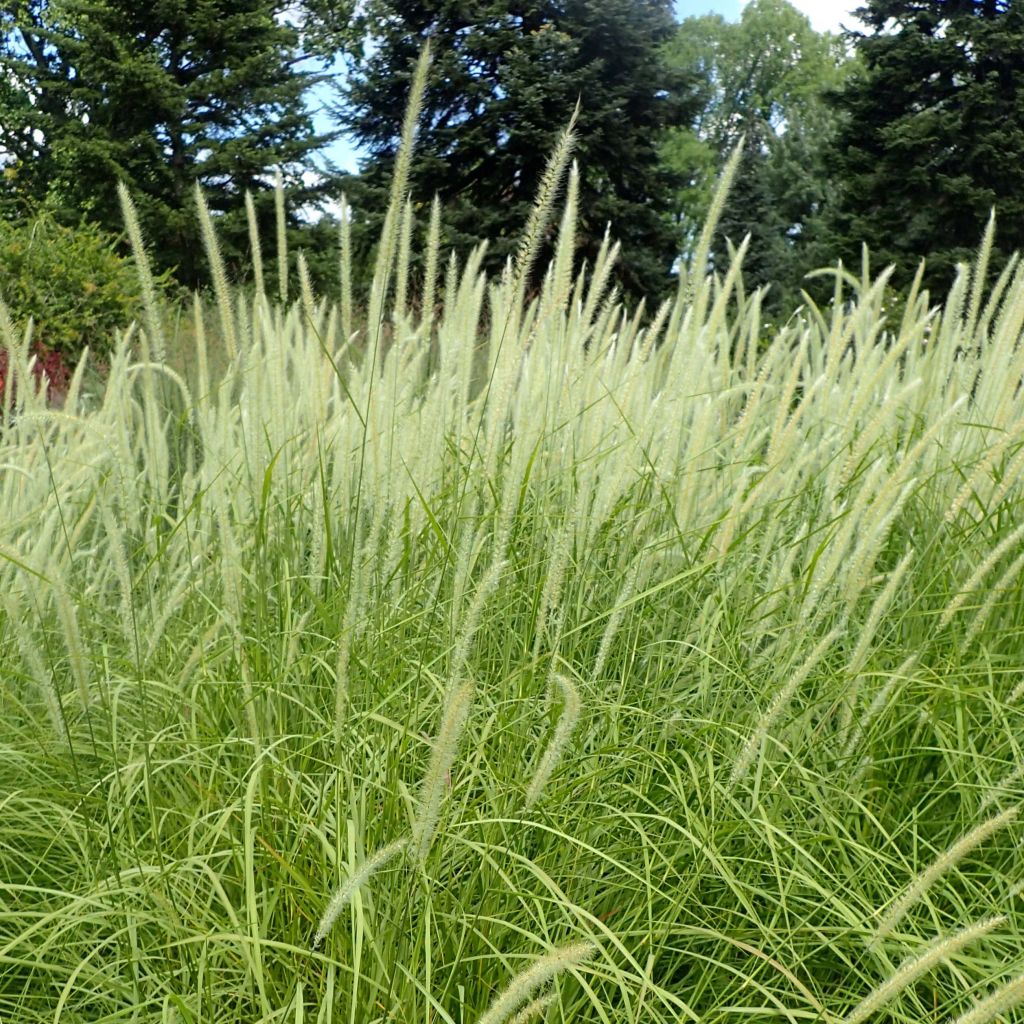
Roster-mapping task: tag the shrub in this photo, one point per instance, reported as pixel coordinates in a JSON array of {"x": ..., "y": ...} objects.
[
  {"x": 49, "y": 363},
  {"x": 70, "y": 281}
]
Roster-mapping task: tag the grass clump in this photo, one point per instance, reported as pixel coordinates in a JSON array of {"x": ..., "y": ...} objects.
[{"x": 743, "y": 731}]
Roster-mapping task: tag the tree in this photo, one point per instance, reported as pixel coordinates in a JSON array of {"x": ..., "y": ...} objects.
[
  {"x": 934, "y": 134},
  {"x": 507, "y": 75},
  {"x": 752, "y": 208},
  {"x": 162, "y": 95},
  {"x": 764, "y": 79}
]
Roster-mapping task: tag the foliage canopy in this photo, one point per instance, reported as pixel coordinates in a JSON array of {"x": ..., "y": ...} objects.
[{"x": 763, "y": 79}]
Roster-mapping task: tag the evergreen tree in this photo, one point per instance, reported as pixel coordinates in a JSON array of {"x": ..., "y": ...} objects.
[
  {"x": 506, "y": 77},
  {"x": 934, "y": 134},
  {"x": 752, "y": 208},
  {"x": 162, "y": 95}
]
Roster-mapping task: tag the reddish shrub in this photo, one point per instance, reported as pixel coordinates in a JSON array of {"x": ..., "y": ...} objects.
[{"x": 49, "y": 364}]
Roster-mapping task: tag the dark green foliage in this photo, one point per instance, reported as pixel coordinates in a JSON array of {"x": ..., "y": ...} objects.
[
  {"x": 934, "y": 135},
  {"x": 505, "y": 80},
  {"x": 162, "y": 95},
  {"x": 70, "y": 281},
  {"x": 752, "y": 208}
]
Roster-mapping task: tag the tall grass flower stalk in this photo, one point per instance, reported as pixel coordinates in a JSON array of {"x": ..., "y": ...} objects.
[
  {"x": 916, "y": 967},
  {"x": 438, "y": 775},
  {"x": 534, "y": 1010},
  {"x": 538, "y": 974},
  {"x": 863, "y": 721},
  {"x": 218, "y": 273},
  {"x": 345, "y": 266},
  {"x": 154, "y": 320},
  {"x": 344, "y": 893},
  {"x": 255, "y": 245},
  {"x": 999, "y": 1002},
  {"x": 1008, "y": 543},
  {"x": 399, "y": 184},
  {"x": 946, "y": 861},
  {"x": 618, "y": 613},
  {"x": 470, "y": 620},
  {"x": 559, "y": 740},
  {"x": 879, "y": 607},
  {"x": 67, "y": 614},
  {"x": 778, "y": 706},
  {"x": 433, "y": 252},
  {"x": 540, "y": 214},
  {"x": 281, "y": 226}
]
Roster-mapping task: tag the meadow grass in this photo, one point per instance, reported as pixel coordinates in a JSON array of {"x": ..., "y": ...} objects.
[{"x": 529, "y": 660}]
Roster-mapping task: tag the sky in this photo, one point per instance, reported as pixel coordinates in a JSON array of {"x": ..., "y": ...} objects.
[{"x": 825, "y": 16}]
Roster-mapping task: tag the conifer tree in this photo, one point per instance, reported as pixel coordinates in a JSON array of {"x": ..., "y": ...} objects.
[
  {"x": 507, "y": 75},
  {"x": 934, "y": 134},
  {"x": 162, "y": 95}
]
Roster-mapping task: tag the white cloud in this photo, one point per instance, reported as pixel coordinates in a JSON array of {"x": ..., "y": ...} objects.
[{"x": 829, "y": 15}]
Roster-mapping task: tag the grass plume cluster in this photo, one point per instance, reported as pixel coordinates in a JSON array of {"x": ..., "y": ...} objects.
[{"x": 523, "y": 658}]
